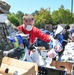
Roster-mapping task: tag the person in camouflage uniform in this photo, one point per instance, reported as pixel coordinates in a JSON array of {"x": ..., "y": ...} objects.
[
  {"x": 4, "y": 42},
  {"x": 6, "y": 28}
]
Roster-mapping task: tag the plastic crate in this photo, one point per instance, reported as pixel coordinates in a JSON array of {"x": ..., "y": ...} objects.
[{"x": 50, "y": 71}]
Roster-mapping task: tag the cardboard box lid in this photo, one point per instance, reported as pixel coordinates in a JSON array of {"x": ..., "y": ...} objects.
[
  {"x": 62, "y": 66},
  {"x": 23, "y": 68},
  {"x": 19, "y": 63}
]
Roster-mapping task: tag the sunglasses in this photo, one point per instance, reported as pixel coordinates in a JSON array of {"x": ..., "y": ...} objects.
[{"x": 29, "y": 19}]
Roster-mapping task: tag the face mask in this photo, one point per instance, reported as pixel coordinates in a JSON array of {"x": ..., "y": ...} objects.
[
  {"x": 29, "y": 27},
  {"x": 3, "y": 18}
]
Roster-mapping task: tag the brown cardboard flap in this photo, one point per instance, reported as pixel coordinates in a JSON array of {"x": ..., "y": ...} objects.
[
  {"x": 18, "y": 63},
  {"x": 24, "y": 68},
  {"x": 63, "y": 66}
]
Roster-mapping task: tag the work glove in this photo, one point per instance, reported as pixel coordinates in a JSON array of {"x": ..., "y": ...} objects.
[
  {"x": 26, "y": 43},
  {"x": 31, "y": 47},
  {"x": 14, "y": 53}
]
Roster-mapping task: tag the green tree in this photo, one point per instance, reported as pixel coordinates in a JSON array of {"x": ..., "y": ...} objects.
[
  {"x": 13, "y": 19},
  {"x": 73, "y": 18},
  {"x": 42, "y": 17},
  {"x": 34, "y": 13},
  {"x": 19, "y": 15},
  {"x": 61, "y": 16}
]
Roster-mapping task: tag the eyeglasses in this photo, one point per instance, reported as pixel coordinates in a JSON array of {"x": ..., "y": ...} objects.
[
  {"x": 32, "y": 19},
  {"x": 29, "y": 19}
]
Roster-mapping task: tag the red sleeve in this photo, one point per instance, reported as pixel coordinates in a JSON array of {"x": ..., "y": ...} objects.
[
  {"x": 20, "y": 29},
  {"x": 42, "y": 36}
]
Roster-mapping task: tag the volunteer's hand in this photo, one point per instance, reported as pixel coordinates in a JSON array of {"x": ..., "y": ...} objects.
[
  {"x": 31, "y": 47},
  {"x": 16, "y": 52}
]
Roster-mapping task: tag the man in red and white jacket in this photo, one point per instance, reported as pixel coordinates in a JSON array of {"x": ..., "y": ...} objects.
[{"x": 28, "y": 28}]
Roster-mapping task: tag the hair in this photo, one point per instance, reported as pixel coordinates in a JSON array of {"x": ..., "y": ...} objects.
[
  {"x": 28, "y": 17},
  {"x": 55, "y": 27},
  {"x": 67, "y": 27}
]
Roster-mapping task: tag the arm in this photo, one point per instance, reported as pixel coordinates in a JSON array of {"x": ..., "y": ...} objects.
[{"x": 44, "y": 37}]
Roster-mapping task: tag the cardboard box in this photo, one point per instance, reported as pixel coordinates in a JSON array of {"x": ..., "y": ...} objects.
[
  {"x": 39, "y": 48},
  {"x": 23, "y": 68},
  {"x": 63, "y": 66}
]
